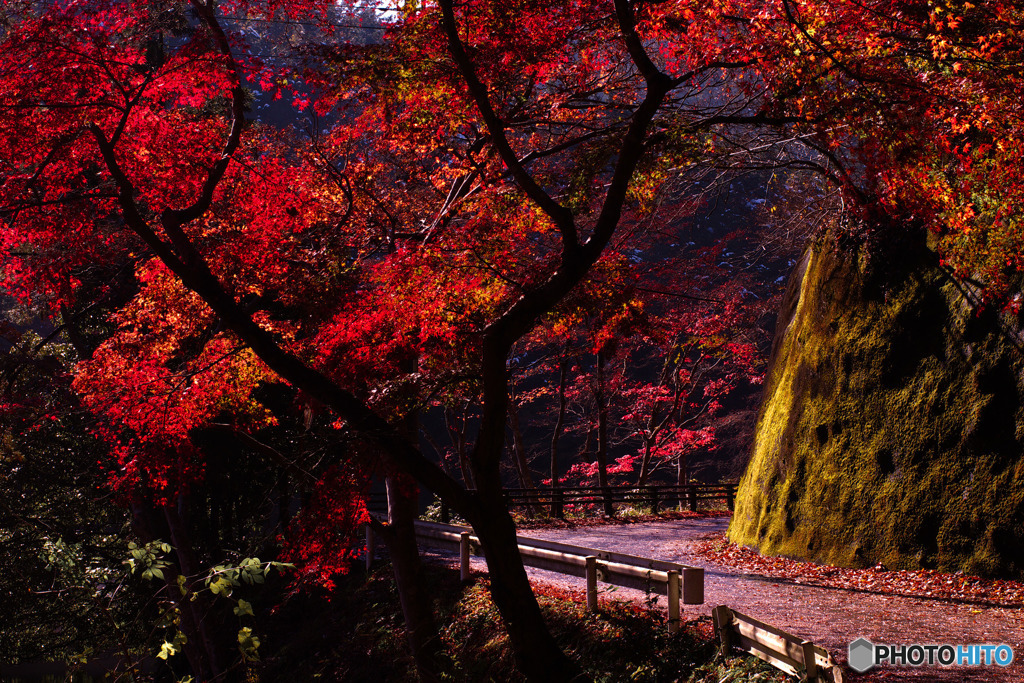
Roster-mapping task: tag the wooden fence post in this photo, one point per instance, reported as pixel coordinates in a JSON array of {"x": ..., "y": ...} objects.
[
  {"x": 730, "y": 492},
  {"x": 722, "y": 617},
  {"x": 673, "y": 602},
  {"x": 653, "y": 492},
  {"x": 693, "y": 585},
  {"x": 556, "y": 504},
  {"x": 809, "y": 663},
  {"x": 591, "y": 583},
  {"x": 446, "y": 514},
  {"x": 693, "y": 497},
  {"x": 464, "y": 551},
  {"x": 371, "y": 545}
]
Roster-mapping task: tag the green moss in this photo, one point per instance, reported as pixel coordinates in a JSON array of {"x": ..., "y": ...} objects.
[{"x": 892, "y": 425}]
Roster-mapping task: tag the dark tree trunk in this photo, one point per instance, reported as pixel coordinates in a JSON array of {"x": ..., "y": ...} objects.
[
  {"x": 538, "y": 657},
  {"x": 602, "y": 435},
  {"x": 519, "y": 451},
  {"x": 645, "y": 464},
  {"x": 458, "y": 437},
  {"x": 284, "y": 499},
  {"x": 519, "y": 454},
  {"x": 207, "y": 658},
  {"x": 202, "y": 616},
  {"x": 560, "y": 422},
  {"x": 420, "y": 628}
]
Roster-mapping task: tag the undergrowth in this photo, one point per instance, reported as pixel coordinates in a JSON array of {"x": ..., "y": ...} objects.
[{"x": 356, "y": 634}]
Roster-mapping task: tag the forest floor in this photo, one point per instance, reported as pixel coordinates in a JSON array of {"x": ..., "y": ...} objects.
[{"x": 826, "y": 605}]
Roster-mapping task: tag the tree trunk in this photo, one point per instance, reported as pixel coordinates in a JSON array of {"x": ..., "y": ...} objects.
[
  {"x": 519, "y": 451},
  {"x": 602, "y": 436},
  {"x": 645, "y": 464},
  {"x": 559, "y": 423},
  {"x": 537, "y": 654},
  {"x": 519, "y": 455},
  {"x": 207, "y": 658},
  {"x": 202, "y": 611},
  {"x": 458, "y": 437},
  {"x": 556, "y": 498},
  {"x": 420, "y": 628},
  {"x": 538, "y": 657}
]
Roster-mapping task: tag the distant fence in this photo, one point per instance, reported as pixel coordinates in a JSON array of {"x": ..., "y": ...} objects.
[
  {"x": 784, "y": 651},
  {"x": 675, "y": 581},
  {"x": 557, "y": 500},
  {"x": 654, "y": 497}
]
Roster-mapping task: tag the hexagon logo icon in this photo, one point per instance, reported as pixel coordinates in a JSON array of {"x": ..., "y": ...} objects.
[{"x": 861, "y": 655}]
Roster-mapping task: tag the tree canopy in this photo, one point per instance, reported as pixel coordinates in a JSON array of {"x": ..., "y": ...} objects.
[{"x": 469, "y": 180}]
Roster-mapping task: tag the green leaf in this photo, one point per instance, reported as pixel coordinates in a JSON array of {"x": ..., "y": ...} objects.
[
  {"x": 221, "y": 587},
  {"x": 248, "y": 643},
  {"x": 158, "y": 573},
  {"x": 244, "y": 609}
]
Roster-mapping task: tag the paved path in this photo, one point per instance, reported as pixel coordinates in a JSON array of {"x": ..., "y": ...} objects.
[{"x": 827, "y": 616}]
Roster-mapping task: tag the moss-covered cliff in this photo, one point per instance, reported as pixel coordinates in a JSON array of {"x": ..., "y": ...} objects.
[{"x": 892, "y": 425}]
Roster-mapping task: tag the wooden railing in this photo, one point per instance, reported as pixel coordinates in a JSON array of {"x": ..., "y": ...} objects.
[
  {"x": 556, "y": 501},
  {"x": 677, "y": 582},
  {"x": 654, "y": 497},
  {"x": 784, "y": 651}
]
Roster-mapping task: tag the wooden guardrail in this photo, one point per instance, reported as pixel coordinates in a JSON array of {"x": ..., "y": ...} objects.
[
  {"x": 654, "y": 497},
  {"x": 675, "y": 581},
  {"x": 784, "y": 651}
]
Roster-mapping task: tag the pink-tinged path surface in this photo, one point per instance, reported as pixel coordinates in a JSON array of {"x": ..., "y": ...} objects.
[{"x": 830, "y": 617}]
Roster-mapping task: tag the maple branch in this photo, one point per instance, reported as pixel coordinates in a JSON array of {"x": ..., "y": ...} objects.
[
  {"x": 15, "y": 208},
  {"x": 97, "y": 104},
  {"x": 840, "y": 175},
  {"x": 755, "y": 120},
  {"x": 521, "y": 316},
  {"x": 173, "y": 219},
  {"x": 126, "y": 198},
  {"x": 560, "y": 215},
  {"x": 654, "y": 76},
  {"x": 362, "y": 418},
  {"x": 567, "y": 144},
  {"x": 816, "y": 43},
  {"x": 130, "y": 102},
  {"x": 678, "y": 295},
  {"x": 197, "y": 276}
]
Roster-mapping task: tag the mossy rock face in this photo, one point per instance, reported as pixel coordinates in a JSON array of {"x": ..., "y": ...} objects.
[{"x": 892, "y": 426}]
